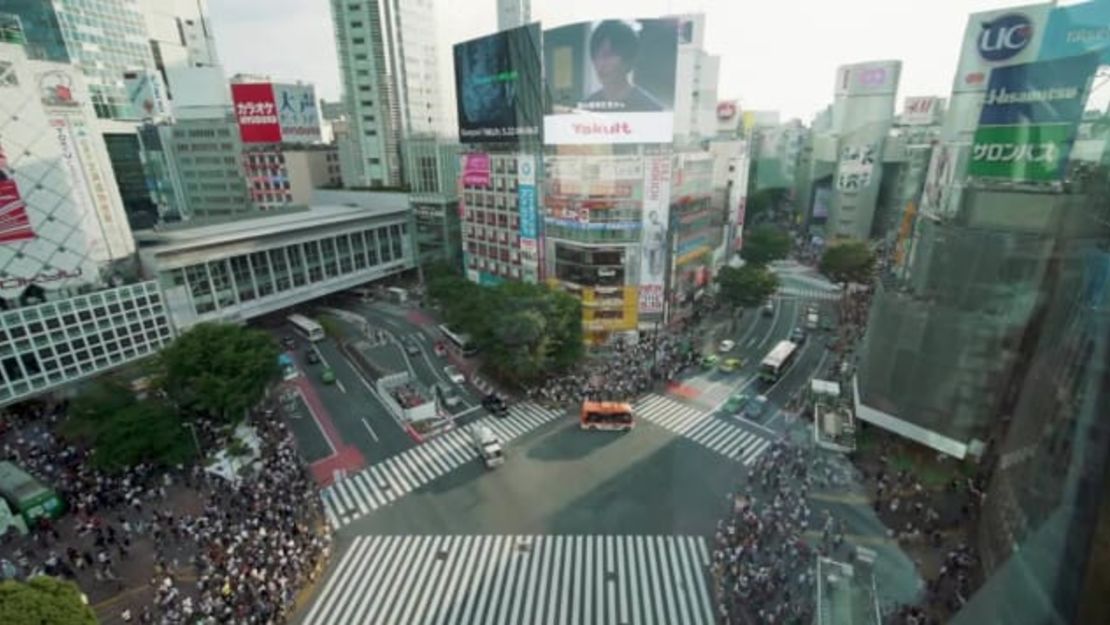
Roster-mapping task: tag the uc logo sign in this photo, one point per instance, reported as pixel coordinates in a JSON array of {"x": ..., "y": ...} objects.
[{"x": 1005, "y": 37}]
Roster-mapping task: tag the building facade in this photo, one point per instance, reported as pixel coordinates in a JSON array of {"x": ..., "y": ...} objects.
[
  {"x": 282, "y": 175},
  {"x": 196, "y": 169},
  {"x": 513, "y": 13},
  {"x": 389, "y": 71},
  {"x": 239, "y": 270},
  {"x": 433, "y": 167},
  {"x": 490, "y": 215}
]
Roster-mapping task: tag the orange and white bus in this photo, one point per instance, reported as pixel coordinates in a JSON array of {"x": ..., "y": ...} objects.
[{"x": 606, "y": 415}]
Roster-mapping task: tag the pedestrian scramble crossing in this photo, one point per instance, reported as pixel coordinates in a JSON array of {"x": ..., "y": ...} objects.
[
  {"x": 518, "y": 580},
  {"x": 808, "y": 293},
  {"x": 728, "y": 439},
  {"x": 382, "y": 483}
]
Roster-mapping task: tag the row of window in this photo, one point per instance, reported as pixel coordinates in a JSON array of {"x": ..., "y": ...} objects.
[
  {"x": 496, "y": 268},
  {"x": 501, "y": 220},
  {"x": 227, "y": 282},
  {"x": 494, "y": 252},
  {"x": 500, "y": 201}
]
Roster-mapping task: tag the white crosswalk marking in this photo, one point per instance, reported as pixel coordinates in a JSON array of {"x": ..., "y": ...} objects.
[
  {"x": 804, "y": 292},
  {"x": 464, "y": 580},
  {"x": 377, "y": 485},
  {"x": 728, "y": 439}
]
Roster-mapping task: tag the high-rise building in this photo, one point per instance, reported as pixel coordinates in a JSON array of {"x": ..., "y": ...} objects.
[
  {"x": 433, "y": 166},
  {"x": 388, "y": 67},
  {"x": 513, "y": 13},
  {"x": 63, "y": 237},
  {"x": 696, "y": 73}
]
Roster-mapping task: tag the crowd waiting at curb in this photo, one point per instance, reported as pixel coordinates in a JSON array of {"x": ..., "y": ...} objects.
[{"x": 240, "y": 559}]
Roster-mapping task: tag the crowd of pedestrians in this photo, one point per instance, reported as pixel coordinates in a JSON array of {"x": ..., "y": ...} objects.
[
  {"x": 763, "y": 566},
  {"x": 625, "y": 371},
  {"x": 234, "y": 552}
]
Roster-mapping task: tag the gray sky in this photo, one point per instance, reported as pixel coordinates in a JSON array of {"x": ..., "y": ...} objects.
[{"x": 775, "y": 54}]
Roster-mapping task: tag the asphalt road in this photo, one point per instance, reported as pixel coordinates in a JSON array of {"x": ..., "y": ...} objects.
[{"x": 600, "y": 493}]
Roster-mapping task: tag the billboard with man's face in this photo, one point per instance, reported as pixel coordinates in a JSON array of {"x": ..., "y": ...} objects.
[
  {"x": 611, "y": 82},
  {"x": 499, "y": 86}
]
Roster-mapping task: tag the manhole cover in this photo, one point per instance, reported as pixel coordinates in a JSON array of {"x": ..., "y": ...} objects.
[
  {"x": 524, "y": 547},
  {"x": 610, "y": 576},
  {"x": 385, "y": 486},
  {"x": 441, "y": 555}
]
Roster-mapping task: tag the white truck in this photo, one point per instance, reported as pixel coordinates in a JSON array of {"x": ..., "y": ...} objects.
[
  {"x": 489, "y": 446},
  {"x": 812, "y": 319}
]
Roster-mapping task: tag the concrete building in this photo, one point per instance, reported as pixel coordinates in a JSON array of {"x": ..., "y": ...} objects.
[
  {"x": 433, "y": 167},
  {"x": 696, "y": 74},
  {"x": 64, "y": 238},
  {"x": 283, "y": 175},
  {"x": 389, "y": 71},
  {"x": 196, "y": 169},
  {"x": 241, "y": 269},
  {"x": 513, "y": 13},
  {"x": 696, "y": 232},
  {"x": 491, "y": 217}
]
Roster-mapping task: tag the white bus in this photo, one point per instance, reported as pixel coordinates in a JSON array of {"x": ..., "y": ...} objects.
[
  {"x": 307, "y": 327},
  {"x": 777, "y": 361},
  {"x": 461, "y": 343}
]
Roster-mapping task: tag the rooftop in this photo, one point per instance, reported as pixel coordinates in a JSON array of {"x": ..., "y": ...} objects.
[{"x": 187, "y": 236}]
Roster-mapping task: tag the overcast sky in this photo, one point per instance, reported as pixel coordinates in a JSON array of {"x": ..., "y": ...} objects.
[{"x": 775, "y": 54}]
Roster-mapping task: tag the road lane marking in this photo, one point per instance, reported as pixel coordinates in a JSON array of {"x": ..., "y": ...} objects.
[{"x": 373, "y": 434}]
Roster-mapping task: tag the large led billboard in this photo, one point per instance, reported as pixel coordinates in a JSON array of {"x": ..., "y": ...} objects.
[
  {"x": 611, "y": 82},
  {"x": 499, "y": 86}
]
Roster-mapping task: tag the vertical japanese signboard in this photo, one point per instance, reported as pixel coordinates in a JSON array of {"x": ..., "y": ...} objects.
[
  {"x": 529, "y": 232},
  {"x": 656, "y": 215},
  {"x": 256, "y": 112}
]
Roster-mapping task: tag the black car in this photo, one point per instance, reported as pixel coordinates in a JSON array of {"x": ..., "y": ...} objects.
[
  {"x": 312, "y": 357},
  {"x": 288, "y": 342},
  {"x": 495, "y": 405},
  {"x": 798, "y": 337}
]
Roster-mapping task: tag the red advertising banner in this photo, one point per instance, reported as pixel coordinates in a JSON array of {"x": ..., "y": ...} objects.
[
  {"x": 15, "y": 225},
  {"x": 256, "y": 112}
]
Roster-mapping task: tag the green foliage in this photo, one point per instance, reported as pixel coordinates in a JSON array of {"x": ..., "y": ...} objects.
[
  {"x": 124, "y": 431},
  {"x": 763, "y": 244},
  {"x": 219, "y": 370},
  {"x": 43, "y": 600},
  {"x": 525, "y": 331},
  {"x": 763, "y": 201},
  {"x": 330, "y": 326},
  {"x": 850, "y": 261},
  {"x": 746, "y": 287}
]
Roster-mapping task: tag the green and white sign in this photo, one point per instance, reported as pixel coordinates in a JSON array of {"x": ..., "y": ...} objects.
[{"x": 1025, "y": 153}]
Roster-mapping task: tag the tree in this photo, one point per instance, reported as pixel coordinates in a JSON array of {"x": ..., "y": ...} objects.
[
  {"x": 850, "y": 261},
  {"x": 746, "y": 287},
  {"x": 219, "y": 370},
  {"x": 762, "y": 244},
  {"x": 43, "y": 600},
  {"x": 763, "y": 203},
  {"x": 124, "y": 431},
  {"x": 525, "y": 331}
]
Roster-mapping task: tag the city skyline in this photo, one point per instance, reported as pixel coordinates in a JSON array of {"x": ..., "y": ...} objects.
[{"x": 867, "y": 30}]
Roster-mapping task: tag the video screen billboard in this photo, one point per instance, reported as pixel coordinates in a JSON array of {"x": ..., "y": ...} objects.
[
  {"x": 499, "y": 86},
  {"x": 611, "y": 82},
  {"x": 256, "y": 113}
]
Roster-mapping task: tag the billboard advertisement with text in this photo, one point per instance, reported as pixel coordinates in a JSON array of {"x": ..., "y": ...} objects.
[
  {"x": 499, "y": 86},
  {"x": 298, "y": 116},
  {"x": 921, "y": 110},
  {"x": 256, "y": 112},
  {"x": 1045, "y": 92},
  {"x": 1076, "y": 30},
  {"x": 996, "y": 39},
  {"x": 476, "y": 170},
  {"x": 1030, "y": 153},
  {"x": 15, "y": 225},
  {"x": 611, "y": 82},
  {"x": 655, "y": 221}
]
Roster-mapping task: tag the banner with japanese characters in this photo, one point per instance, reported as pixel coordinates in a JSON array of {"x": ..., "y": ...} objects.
[
  {"x": 855, "y": 167},
  {"x": 256, "y": 112},
  {"x": 297, "y": 114},
  {"x": 1029, "y": 119}
]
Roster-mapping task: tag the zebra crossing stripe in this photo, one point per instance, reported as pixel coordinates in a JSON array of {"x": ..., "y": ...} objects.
[
  {"x": 720, "y": 436},
  {"x": 387, "y": 481}
]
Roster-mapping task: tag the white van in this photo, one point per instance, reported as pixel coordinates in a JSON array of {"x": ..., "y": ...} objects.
[
  {"x": 812, "y": 318},
  {"x": 489, "y": 446}
]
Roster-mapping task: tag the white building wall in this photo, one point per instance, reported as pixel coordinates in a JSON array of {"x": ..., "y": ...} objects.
[
  {"x": 60, "y": 164},
  {"x": 513, "y": 13}
]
